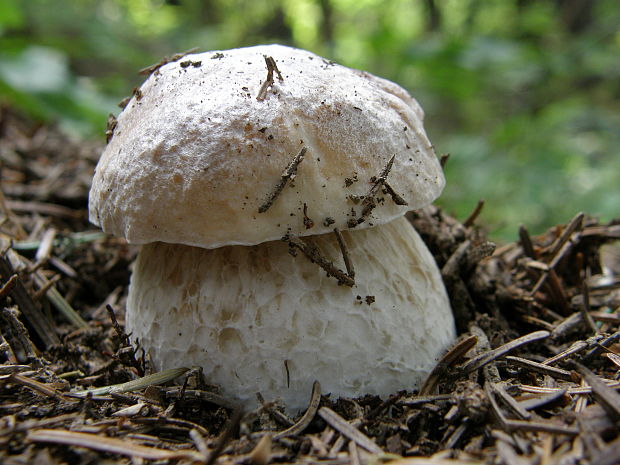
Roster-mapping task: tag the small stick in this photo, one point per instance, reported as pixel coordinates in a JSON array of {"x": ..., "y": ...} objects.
[
  {"x": 307, "y": 417},
  {"x": 271, "y": 67},
  {"x": 526, "y": 242},
  {"x": 606, "y": 396},
  {"x": 574, "y": 224},
  {"x": 456, "y": 352},
  {"x": 233, "y": 424},
  {"x": 369, "y": 199},
  {"x": 541, "y": 368},
  {"x": 345, "y": 254},
  {"x": 444, "y": 159},
  {"x": 16, "y": 335},
  {"x": 119, "y": 331},
  {"x": 8, "y": 286},
  {"x": 487, "y": 357},
  {"x": 346, "y": 429},
  {"x": 585, "y": 308},
  {"x": 474, "y": 214},
  {"x": 314, "y": 254},
  {"x": 164, "y": 61},
  {"x": 398, "y": 200},
  {"x": 290, "y": 170}
]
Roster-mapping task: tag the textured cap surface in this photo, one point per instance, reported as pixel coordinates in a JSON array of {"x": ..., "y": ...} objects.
[{"x": 195, "y": 154}]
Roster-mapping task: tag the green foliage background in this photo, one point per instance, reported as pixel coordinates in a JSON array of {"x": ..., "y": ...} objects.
[{"x": 523, "y": 94}]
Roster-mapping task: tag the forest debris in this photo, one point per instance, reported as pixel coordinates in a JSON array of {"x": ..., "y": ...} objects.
[
  {"x": 42, "y": 325},
  {"x": 370, "y": 202},
  {"x": 140, "y": 383},
  {"x": 314, "y": 254},
  {"x": 471, "y": 219},
  {"x": 271, "y": 67},
  {"x": 487, "y": 357},
  {"x": 541, "y": 368},
  {"x": 307, "y": 417},
  {"x": 345, "y": 254},
  {"x": 349, "y": 431},
  {"x": 606, "y": 396},
  {"x": 164, "y": 61},
  {"x": 288, "y": 173},
  {"x": 109, "y": 445}
]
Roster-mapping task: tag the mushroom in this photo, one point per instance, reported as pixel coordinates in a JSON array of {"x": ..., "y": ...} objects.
[{"x": 219, "y": 157}]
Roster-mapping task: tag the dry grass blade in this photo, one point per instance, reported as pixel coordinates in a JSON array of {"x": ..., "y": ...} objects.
[
  {"x": 343, "y": 427},
  {"x": 140, "y": 383},
  {"x": 109, "y": 445},
  {"x": 486, "y": 357},
  {"x": 307, "y": 417}
]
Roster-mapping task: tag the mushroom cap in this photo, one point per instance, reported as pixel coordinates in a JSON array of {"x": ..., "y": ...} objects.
[{"x": 195, "y": 153}]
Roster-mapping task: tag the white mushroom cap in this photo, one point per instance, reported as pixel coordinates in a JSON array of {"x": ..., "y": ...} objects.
[
  {"x": 195, "y": 153},
  {"x": 247, "y": 315}
]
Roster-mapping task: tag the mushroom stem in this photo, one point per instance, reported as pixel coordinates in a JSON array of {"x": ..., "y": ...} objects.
[{"x": 246, "y": 313}]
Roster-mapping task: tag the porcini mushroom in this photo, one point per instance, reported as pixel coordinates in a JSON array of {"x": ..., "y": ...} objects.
[{"x": 221, "y": 155}]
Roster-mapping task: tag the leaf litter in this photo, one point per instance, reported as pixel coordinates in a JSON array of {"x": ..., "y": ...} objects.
[{"x": 532, "y": 379}]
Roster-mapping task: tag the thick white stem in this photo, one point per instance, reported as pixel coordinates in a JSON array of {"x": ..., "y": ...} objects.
[{"x": 260, "y": 320}]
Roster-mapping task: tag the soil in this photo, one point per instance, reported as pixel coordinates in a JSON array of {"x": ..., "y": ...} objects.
[{"x": 533, "y": 378}]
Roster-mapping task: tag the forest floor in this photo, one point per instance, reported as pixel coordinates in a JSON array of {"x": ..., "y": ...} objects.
[{"x": 533, "y": 378}]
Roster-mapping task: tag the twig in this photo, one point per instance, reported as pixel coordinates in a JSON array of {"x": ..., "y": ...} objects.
[
  {"x": 314, "y": 254},
  {"x": 606, "y": 396},
  {"x": 124, "y": 339},
  {"x": 584, "y": 309},
  {"x": 271, "y": 67},
  {"x": 574, "y": 224},
  {"x": 8, "y": 286},
  {"x": 443, "y": 160},
  {"x": 307, "y": 417},
  {"x": 290, "y": 170},
  {"x": 471, "y": 219},
  {"x": 109, "y": 445},
  {"x": 16, "y": 336},
  {"x": 233, "y": 425},
  {"x": 398, "y": 200},
  {"x": 453, "y": 355},
  {"x": 541, "y": 368},
  {"x": 483, "y": 359},
  {"x": 343, "y": 427},
  {"x": 39, "y": 321},
  {"x": 526, "y": 242},
  {"x": 369, "y": 202},
  {"x": 540, "y": 401},
  {"x": 345, "y": 254},
  {"x": 164, "y": 61}
]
